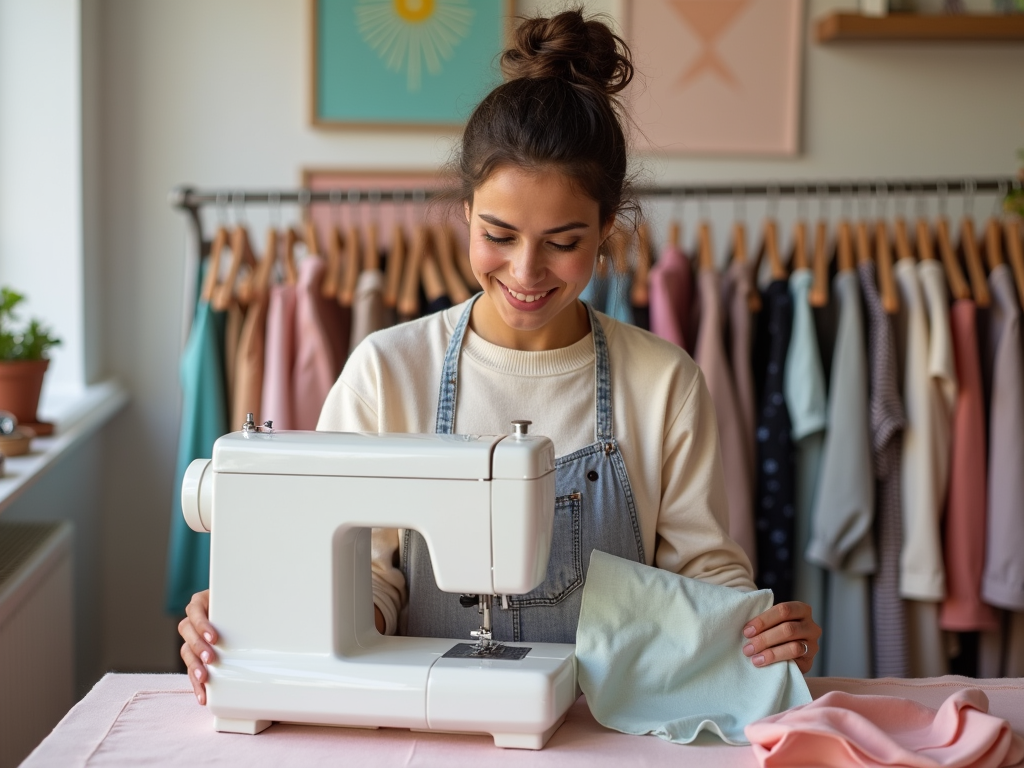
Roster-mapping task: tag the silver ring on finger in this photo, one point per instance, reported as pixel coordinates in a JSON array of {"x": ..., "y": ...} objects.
[{"x": 805, "y": 649}]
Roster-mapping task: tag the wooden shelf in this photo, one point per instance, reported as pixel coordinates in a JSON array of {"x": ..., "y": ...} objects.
[{"x": 908, "y": 27}]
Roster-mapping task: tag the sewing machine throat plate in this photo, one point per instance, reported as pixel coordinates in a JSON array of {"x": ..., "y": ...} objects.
[{"x": 495, "y": 651}]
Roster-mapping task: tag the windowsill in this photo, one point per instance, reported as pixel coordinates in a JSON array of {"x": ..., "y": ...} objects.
[{"x": 75, "y": 417}]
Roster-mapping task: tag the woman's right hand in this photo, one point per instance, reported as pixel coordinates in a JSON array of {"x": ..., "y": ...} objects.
[{"x": 199, "y": 636}]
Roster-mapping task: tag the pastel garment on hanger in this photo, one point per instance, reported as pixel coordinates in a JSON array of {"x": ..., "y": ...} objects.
[
  {"x": 929, "y": 391},
  {"x": 671, "y": 297},
  {"x": 709, "y": 354},
  {"x": 844, "y": 510},
  {"x": 314, "y": 372},
  {"x": 844, "y": 730},
  {"x": 804, "y": 389},
  {"x": 204, "y": 417},
  {"x": 775, "y": 499},
  {"x": 661, "y": 654},
  {"x": 967, "y": 507},
  {"x": 279, "y": 359},
  {"x": 1003, "y": 583},
  {"x": 367, "y": 305},
  {"x": 737, "y": 286},
  {"x": 888, "y": 612}
]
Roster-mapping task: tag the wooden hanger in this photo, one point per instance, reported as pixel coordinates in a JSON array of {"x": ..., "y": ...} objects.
[
  {"x": 431, "y": 276},
  {"x": 350, "y": 267},
  {"x": 220, "y": 239},
  {"x": 445, "y": 261},
  {"x": 241, "y": 252},
  {"x": 862, "y": 240},
  {"x": 335, "y": 258},
  {"x": 639, "y": 292},
  {"x": 903, "y": 247},
  {"x": 954, "y": 275},
  {"x": 818, "y": 296},
  {"x": 291, "y": 274},
  {"x": 371, "y": 249},
  {"x": 464, "y": 264},
  {"x": 265, "y": 269},
  {"x": 393, "y": 269},
  {"x": 925, "y": 249},
  {"x": 994, "y": 243},
  {"x": 886, "y": 280},
  {"x": 799, "y": 259},
  {"x": 310, "y": 239},
  {"x": 705, "y": 251},
  {"x": 975, "y": 267},
  {"x": 674, "y": 234},
  {"x": 408, "y": 304},
  {"x": 844, "y": 247},
  {"x": 1015, "y": 251},
  {"x": 740, "y": 255},
  {"x": 770, "y": 248}
]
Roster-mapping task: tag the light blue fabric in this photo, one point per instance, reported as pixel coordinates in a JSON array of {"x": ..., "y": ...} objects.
[
  {"x": 662, "y": 654},
  {"x": 610, "y": 295},
  {"x": 204, "y": 418},
  {"x": 804, "y": 389}
]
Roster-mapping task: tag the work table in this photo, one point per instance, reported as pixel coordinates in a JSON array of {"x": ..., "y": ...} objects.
[{"x": 130, "y": 720}]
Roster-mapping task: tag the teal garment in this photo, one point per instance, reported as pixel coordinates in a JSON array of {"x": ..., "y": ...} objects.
[
  {"x": 204, "y": 418},
  {"x": 805, "y": 393},
  {"x": 659, "y": 653},
  {"x": 610, "y": 294}
]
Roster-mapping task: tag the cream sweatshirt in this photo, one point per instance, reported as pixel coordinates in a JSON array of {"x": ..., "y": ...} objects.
[{"x": 664, "y": 422}]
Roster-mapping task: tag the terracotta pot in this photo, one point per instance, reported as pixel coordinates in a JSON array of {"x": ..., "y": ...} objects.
[{"x": 21, "y": 381}]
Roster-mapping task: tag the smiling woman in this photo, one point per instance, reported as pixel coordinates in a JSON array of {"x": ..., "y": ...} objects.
[{"x": 542, "y": 170}]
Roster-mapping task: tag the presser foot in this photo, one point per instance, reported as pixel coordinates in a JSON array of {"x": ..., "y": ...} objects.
[{"x": 231, "y": 725}]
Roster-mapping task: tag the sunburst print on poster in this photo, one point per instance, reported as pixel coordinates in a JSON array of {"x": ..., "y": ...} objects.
[{"x": 404, "y": 62}]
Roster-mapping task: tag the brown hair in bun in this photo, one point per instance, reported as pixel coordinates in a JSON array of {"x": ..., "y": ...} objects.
[{"x": 557, "y": 107}]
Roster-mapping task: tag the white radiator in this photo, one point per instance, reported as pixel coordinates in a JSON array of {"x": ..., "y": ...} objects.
[{"x": 36, "y": 635}]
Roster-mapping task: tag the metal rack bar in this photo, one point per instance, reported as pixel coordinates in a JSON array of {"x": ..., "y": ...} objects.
[{"x": 190, "y": 198}]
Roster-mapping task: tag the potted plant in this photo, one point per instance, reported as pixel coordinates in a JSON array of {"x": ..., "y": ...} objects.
[{"x": 23, "y": 359}]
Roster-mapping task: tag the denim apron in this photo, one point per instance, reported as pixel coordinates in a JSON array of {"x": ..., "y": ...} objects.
[{"x": 594, "y": 509}]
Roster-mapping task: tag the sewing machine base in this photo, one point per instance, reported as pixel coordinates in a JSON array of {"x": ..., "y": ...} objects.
[{"x": 403, "y": 683}]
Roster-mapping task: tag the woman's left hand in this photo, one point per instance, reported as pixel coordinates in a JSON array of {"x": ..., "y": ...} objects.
[{"x": 785, "y": 631}]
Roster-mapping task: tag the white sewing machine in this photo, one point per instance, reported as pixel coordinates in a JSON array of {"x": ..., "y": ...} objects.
[{"x": 290, "y": 589}]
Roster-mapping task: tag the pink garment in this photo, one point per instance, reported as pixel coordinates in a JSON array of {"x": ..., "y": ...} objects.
[
  {"x": 967, "y": 507},
  {"x": 737, "y": 283},
  {"x": 671, "y": 297},
  {"x": 279, "y": 358},
  {"x": 709, "y": 353},
  {"x": 314, "y": 370},
  {"x": 842, "y": 729}
]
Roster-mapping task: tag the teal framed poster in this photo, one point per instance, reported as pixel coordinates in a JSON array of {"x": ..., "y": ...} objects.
[{"x": 404, "y": 63}]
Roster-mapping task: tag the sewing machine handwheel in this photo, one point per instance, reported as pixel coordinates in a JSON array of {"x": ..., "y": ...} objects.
[{"x": 468, "y": 601}]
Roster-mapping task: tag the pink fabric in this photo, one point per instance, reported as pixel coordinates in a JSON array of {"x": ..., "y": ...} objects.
[
  {"x": 709, "y": 353},
  {"x": 128, "y": 719},
  {"x": 967, "y": 506},
  {"x": 314, "y": 370},
  {"x": 671, "y": 297},
  {"x": 841, "y": 729},
  {"x": 279, "y": 358}
]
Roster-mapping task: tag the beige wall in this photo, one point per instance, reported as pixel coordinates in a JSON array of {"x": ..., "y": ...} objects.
[{"x": 213, "y": 92}]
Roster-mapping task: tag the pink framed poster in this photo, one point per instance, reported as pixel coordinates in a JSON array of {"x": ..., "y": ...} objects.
[{"x": 716, "y": 76}]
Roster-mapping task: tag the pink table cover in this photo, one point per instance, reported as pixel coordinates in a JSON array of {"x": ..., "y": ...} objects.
[{"x": 153, "y": 720}]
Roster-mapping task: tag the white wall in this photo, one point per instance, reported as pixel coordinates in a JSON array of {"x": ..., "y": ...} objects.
[
  {"x": 212, "y": 92},
  {"x": 40, "y": 173}
]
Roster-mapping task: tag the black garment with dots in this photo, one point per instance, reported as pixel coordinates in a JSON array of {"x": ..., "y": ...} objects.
[{"x": 774, "y": 505}]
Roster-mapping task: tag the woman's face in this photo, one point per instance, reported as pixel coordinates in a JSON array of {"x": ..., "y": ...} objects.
[{"x": 533, "y": 240}]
